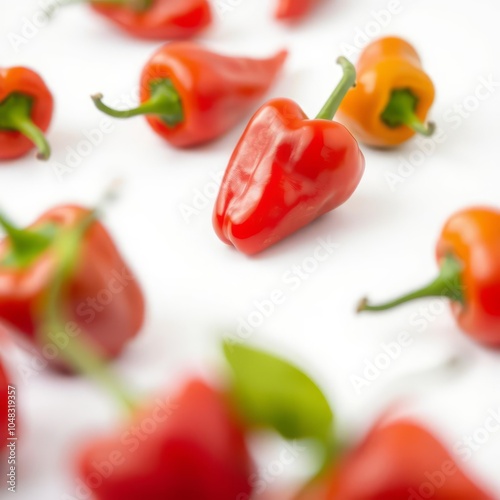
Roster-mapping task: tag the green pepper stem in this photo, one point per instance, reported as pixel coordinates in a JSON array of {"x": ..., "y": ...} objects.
[
  {"x": 447, "y": 284},
  {"x": 401, "y": 111},
  {"x": 348, "y": 81},
  {"x": 164, "y": 102},
  {"x": 77, "y": 351},
  {"x": 24, "y": 243},
  {"x": 15, "y": 115}
]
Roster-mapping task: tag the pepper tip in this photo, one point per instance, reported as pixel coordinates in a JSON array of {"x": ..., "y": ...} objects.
[
  {"x": 43, "y": 156},
  {"x": 362, "y": 305},
  {"x": 431, "y": 128}
]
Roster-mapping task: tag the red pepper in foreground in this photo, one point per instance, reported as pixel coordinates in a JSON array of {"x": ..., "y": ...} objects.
[
  {"x": 191, "y": 95},
  {"x": 101, "y": 298},
  {"x": 154, "y": 19},
  {"x": 26, "y": 107},
  {"x": 287, "y": 171},
  {"x": 399, "y": 461},
  {"x": 294, "y": 10},
  {"x": 468, "y": 252},
  {"x": 191, "y": 448}
]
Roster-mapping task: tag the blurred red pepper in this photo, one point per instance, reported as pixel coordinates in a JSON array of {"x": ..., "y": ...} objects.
[
  {"x": 154, "y": 19},
  {"x": 294, "y": 10},
  {"x": 26, "y": 106},
  {"x": 191, "y": 95},
  {"x": 101, "y": 297},
  {"x": 287, "y": 171},
  {"x": 398, "y": 461},
  {"x": 468, "y": 252},
  {"x": 192, "y": 448},
  {"x": 401, "y": 460}
]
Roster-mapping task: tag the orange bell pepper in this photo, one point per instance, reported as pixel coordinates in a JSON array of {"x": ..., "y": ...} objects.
[
  {"x": 393, "y": 95},
  {"x": 468, "y": 253}
]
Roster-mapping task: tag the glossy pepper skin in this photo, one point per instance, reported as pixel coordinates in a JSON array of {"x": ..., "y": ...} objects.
[
  {"x": 196, "y": 452},
  {"x": 295, "y": 10},
  {"x": 468, "y": 253},
  {"x": 472, "y": 237},
  {"x": 34, "y": 109},
  {"x": 387, "y": 65},
  {"x": 286, "y": 171},
  {"x": 102, "y": 297},
  {"x": 213, "y": 92},
  {"x": 398, "y": 461},
  {"x": 157, "y": 19}
]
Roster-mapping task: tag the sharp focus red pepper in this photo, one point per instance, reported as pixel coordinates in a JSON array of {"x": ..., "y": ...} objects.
[
  {"x": 294, "y": 10},
  {"x": 468, "y": 252},
  {"x": 26, "y": 107},
  {"x": 191, "y": 449},
  {"x": 157, "y": 19},
  {"x": 102, "y": 297},
  {"x": 191, "y": 95},
  {"x": 399, "y": 461},
  {"x": 287, "y": 171}
]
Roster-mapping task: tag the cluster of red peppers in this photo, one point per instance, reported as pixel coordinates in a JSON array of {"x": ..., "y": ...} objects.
[{"x": 196, "y": 445}]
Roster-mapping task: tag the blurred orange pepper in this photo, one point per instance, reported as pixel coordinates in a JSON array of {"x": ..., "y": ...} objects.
[{"x": 392, "y": 97}]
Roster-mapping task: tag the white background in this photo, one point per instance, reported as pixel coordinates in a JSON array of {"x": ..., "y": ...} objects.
[{"x": 196, "y": 287}]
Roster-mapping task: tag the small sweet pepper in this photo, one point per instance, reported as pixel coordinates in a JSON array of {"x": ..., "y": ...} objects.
[
  {"x": 191, "y": 95},
  {"x": 287, "y": 171},
  {"x": 468, "y": 252},
  {"x": 192, "y": 448},
  {"x": 389, "y": 105},
  {"x": 294, "y": 10},
  {"x": 101, "y": 299},
  {"x": 153, "y": 19},
  {"x": 401, "y": 460},
  {"x": 26, "y": 107}
]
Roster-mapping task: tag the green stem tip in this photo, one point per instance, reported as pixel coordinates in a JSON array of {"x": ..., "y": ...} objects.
[
  {"x": 401, "y": 111},
  {"x": 447, "y": 284},
  {"x": 164, "y": 102},
  {"x": 346, "y": 83}
]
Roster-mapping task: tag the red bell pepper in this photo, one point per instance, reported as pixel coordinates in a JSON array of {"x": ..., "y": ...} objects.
[
  {"x": 398, "y": 461},
  {"x": 401, "y": 460},
  {"x": 468, "y": 252},
  {"x": 294, "y": 10},
  {"x": 191, "y": 95},
  {"x": 193, "y": 448},
  {"x": 154, "y": 19},
  {"x": 26, "y": 107},
  {"x": 286, "y": 171},
  {"x": 101, "y": 298}
]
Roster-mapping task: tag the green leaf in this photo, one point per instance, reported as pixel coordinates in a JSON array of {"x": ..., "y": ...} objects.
[{"x": 273, "y": 393}]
